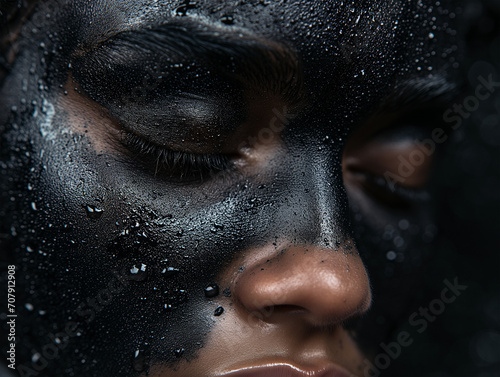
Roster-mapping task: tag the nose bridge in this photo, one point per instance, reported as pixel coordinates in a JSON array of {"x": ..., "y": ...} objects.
[
  {"x": 315, "y": 203},
  {"x": 329, "y": 205},
  {"x": 309, "y": 267}
]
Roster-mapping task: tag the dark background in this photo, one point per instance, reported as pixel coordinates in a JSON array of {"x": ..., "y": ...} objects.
[{"x": 465, "y": 339}]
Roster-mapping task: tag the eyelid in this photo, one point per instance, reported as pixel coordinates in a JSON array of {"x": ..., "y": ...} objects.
[
  {"x": 180, "y": 165},
  {"x": 396, "y": 158}
]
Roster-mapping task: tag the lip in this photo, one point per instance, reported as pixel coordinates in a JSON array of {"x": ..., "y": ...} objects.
[{"x": 288, "y": 370}]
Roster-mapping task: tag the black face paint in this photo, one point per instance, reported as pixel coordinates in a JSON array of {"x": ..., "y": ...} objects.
[{"x": 115, "y": 258}]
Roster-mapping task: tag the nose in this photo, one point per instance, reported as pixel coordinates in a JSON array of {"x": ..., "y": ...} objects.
[{"x": 323, "y": 286}]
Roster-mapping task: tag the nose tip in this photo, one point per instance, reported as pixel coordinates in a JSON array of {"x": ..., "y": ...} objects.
[{"x": 325, "y": 286}]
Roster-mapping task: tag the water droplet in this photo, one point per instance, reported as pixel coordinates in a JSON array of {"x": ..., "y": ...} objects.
[
  {"x": 227, "y": 19},
  {"x": 179, "y": 352},
  {"x": 139, "y": 272},
  {"x": 68, "y": 227},
  {"x": 218, "y": 312},
  {"x": 141, "y": 358},
  {"x": 93, "y": 212},
  {"x": 170, "y": 272},
  {"x": 212, "y": 291},
  {"x": 431, "y": 35},
  {"x": 182, "y": 10},
  {"x": 134, "y": 270},
  {"x": 33, "y": 206},
  {"x": 29, "y": 307}
]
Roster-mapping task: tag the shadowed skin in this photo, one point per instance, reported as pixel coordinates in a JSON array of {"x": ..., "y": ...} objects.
[{"x": 152, "y": 149}]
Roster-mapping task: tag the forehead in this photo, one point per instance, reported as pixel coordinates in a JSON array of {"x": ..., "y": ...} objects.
[{"x": 265, "y": 15}]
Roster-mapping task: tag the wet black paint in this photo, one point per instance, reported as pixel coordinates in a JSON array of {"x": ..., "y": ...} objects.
[{"x": 118, "y": 260}]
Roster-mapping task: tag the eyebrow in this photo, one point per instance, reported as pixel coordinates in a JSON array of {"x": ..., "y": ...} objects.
[
  {"x": 257, "y": 63},
  {"x": 421, "y": 91}
]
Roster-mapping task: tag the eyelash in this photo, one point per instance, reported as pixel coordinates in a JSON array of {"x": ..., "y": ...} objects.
[{"x": 176, "y": 164}]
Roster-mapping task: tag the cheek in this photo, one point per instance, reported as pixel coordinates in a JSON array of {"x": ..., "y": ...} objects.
[
  {"x": 119, "y": 254},
  {"x": 396, "y": 247},
  {"x": 392, "y": 242}
]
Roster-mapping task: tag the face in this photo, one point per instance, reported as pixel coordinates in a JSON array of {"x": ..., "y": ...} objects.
[{"x": 200, "y": 189}]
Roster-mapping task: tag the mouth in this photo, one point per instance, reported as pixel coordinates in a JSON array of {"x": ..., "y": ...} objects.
[{"x": 287, "y": 370}]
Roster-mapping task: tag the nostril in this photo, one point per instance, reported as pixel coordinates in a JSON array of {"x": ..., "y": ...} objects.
[{"x": 288, "y": 309}]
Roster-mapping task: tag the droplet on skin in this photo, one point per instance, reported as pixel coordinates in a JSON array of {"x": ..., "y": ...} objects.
[
  {"x": 227, "y": 19},
  {"x": 138, "y": 272},
  {"x": 212, "y": 291},
  {"x": 179, "y": 352},
  {"x": 218, "y": 312},
  {"x": 134, "y": 270},
  {"x": 141, "y": 358},
  {"x": 93, "y": 212},
  {"x": 170, "y": 272}
]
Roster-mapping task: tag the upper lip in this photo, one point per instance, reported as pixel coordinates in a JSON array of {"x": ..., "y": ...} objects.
[{"x": 288, "y": 370}]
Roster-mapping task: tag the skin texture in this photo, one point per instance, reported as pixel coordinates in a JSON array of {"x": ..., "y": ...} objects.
[{"x": 115, "y": 253}]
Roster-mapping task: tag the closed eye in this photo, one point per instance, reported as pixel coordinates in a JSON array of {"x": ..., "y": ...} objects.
[
  {"x": 392, "y": 167},
  {"x": 183, "y": 97},
  {"x": 172, "y": 164},
  {"x": 390, "y": 157}
]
